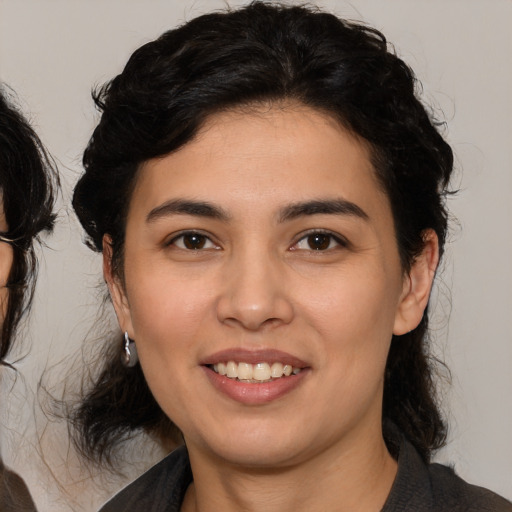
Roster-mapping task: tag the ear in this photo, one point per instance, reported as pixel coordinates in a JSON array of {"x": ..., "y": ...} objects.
[
  {"x": 417, "y": 285},
  {"x": 116, "y": 289}
]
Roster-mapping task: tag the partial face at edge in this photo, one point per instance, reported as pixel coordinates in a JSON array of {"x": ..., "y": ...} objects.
[
  {"x": 6, "y": 259},
  {"x": 267, "y": 240}
]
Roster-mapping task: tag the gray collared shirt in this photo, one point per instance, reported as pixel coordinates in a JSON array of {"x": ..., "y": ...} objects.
[{"x": 418, "y": 487}]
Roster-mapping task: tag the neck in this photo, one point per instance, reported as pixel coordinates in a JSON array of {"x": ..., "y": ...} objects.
[{"x": 343, "y": 478}]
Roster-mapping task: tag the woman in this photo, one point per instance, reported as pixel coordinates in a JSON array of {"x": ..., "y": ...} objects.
[
  {"x": 27, "y": 188},
  {"x": 268, "y": 194}
]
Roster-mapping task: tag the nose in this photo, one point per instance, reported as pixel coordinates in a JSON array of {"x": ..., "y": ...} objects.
[{"x": 254, "y": 295}]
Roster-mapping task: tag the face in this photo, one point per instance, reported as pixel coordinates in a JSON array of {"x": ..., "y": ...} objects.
[
  {"x": 262, "y": 285},
  {"x": 6, "y": 257}
]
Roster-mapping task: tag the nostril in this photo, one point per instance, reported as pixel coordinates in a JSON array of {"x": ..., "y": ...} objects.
[
  {"x": 253, "y": 301},
  {"x": 253, "y": 324}
]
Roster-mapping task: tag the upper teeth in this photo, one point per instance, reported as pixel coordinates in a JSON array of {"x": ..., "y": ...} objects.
[{"x": 254, "y": 372}]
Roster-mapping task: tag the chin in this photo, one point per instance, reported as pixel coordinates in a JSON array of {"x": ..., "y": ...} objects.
[
  {"x": 257, "y": 457},
  {"x": 258, "y": 447}
]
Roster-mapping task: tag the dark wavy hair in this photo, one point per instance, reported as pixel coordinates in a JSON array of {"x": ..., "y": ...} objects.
[
  {"x": 28, "y": 184},
  {"x": 264, "y": 53}
]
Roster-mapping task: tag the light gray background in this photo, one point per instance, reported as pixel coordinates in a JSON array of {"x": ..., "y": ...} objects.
[{"x": 53, "y": 51}]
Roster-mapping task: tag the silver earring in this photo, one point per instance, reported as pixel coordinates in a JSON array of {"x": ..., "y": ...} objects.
[{"x": 129, "y": 357}]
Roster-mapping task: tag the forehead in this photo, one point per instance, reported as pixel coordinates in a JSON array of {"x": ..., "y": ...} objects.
[{"x": 262, "y": 158}]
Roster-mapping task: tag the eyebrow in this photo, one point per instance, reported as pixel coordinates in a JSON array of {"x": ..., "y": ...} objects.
[
  {"x": 322, "y": 207},
  {"x": 290, "y": 212},
  {"x": 187, "y": 207}
]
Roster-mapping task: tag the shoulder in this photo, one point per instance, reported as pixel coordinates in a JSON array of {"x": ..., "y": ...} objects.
[
  {"x": 14, "y": 495},
  {"x": 160, "y": 489},
  {"x": 436, "y": 488},
  {"x": 451, "y": 490}
]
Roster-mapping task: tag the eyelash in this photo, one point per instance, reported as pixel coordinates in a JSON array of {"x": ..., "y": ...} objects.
[
  {"x": 205, "y": 240},
  {"x": 337, "y": 239}
]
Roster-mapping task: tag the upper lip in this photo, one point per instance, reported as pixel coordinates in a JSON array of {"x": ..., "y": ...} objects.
[{"x": 241, "y": 355}]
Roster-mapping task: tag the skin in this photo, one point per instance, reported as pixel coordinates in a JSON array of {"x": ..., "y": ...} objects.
[
  {"x": 6, "y": 257},
  {"x": 256, "y": 283}
]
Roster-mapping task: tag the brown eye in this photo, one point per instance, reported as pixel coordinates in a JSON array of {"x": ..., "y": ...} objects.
[
  {"x": 319, "y": 241},
  {"x": 193, "y": 242}
]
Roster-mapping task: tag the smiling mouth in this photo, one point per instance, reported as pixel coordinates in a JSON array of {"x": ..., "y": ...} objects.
[{"x": 254, "y": 373}]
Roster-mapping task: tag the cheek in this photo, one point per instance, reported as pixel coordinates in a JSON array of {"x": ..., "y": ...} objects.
[
  {"x": 4, "y": 297},
  {"x": 355, "y": 320},
  {"x": 167, "y": 313},
  {"x": 6, "y": 260},
  {"x": 353, "y": 301},
  {"x": 168, "y": 319},
  {"x": 6, "y": 257}
]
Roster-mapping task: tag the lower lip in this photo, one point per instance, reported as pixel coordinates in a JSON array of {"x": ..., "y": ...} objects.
[{"x": 255, "y": 393}]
